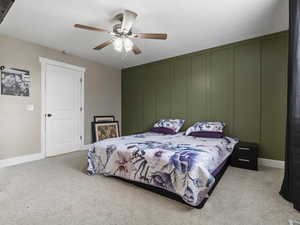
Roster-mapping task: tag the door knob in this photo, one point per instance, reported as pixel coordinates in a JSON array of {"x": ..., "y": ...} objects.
[{"x": 49, "y": 115}]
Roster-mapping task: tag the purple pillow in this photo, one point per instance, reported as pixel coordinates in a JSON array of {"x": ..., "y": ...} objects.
[
  {"x": 162, "y": 130},
  {"x": 207, "y": 134}
]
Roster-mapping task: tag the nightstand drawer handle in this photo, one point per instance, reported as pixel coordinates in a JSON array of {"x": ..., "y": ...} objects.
[
  {"x": 244, "y": 160},
  {"x": 246, "y": 149}
]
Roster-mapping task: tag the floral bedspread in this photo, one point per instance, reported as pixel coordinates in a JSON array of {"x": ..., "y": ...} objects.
[{"x": 178, "y": 163}]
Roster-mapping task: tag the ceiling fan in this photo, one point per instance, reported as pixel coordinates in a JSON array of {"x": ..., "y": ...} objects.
[{"x": 122, "y": 33}]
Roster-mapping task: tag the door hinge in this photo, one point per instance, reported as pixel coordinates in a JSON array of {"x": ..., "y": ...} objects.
[
  {"x": 80, "y": 137},
  {"x": 81, "y": 109},
  {"x": 80, "y": 80}
]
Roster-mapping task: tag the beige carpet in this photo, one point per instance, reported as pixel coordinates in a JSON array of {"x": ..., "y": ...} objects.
[{"x": 55, "y": 191}]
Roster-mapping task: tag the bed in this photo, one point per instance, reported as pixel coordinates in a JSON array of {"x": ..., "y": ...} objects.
[{"x": 185, "y": 168}]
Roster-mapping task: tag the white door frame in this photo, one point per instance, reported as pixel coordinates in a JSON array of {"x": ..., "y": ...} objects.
[{"x": 44, "y": 62}]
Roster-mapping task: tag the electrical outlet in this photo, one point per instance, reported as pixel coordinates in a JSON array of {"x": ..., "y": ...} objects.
[{"x": 30, "y": 107}]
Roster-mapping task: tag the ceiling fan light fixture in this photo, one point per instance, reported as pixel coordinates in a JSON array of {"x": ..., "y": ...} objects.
[
  {"x": 128, "y": 44},
  {"x": 118, "y": 44}
]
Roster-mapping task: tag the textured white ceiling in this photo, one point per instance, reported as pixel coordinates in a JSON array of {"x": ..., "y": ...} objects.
[{"x": 192, "y": 25}]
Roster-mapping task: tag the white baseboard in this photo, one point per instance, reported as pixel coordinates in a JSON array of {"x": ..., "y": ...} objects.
[
  {"x": 271, "y": 163},
  {"x": 86, "y": 147},
  {"x": 21, "y": 159}
]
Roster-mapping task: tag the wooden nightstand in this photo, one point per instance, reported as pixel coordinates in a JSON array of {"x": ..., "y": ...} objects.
[{"x": 245, "y": 156}]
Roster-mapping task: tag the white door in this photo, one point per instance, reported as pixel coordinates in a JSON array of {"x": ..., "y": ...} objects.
[{"x": 63, "y": 109}]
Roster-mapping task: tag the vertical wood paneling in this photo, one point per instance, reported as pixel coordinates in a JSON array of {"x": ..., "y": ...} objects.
[
  {"x": 222, "y": 87},
  {"x": 163, "y": 91},
  {"x": 180, "y": 74},
  {"x": 199, "y": 88},
  {"x": 149, "y": 101},
  {"x": 134, "y": 101},
  {"x": 247, "y": 91},
  {"x": 274, "y": 68},
  {"x": 129, "y": 124},
  {"x": 125, "y": 97},
  {"x": 242, "y": 84}
]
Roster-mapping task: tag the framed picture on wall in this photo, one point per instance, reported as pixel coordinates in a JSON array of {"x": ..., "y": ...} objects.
[
  {"x": 105, "y": 130},
  {"x": 15, "y": 82},
  {"x": 104, "y": 118}
]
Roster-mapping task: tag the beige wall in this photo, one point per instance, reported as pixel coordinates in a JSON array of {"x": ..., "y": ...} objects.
[{"x": 20, "y": 130}]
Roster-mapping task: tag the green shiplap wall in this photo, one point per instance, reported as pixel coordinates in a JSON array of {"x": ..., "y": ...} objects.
[{"x": 243, "y": 84}]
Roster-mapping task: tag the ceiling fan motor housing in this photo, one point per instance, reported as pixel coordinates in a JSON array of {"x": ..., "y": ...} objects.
[
  {"x": 119, "y": 17},
  {"x": 118, "y": 29}
]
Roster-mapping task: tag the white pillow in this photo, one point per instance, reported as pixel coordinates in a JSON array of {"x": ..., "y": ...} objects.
[
  {"x": 173, "y": 124},
  {"x": 206, "y": 127}
]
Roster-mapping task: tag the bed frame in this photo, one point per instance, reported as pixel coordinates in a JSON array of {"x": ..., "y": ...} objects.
[{"x": 218, "y": 173}]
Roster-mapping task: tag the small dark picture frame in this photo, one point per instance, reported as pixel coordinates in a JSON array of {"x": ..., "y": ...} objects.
[
  {"x": 104, "y": 118},
  {"x": 105, "y": 130}
]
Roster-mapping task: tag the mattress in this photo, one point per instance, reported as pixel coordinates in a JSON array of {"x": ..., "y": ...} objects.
[{"x": 180, "y": 164}]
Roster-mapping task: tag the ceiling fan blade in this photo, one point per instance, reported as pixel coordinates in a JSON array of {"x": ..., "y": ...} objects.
[
  {"x": 129, "y": 18},
  {"x": 151, "y": 36},
  {"x": 89, "y": 28},
  {"x": 103, "y": 45},
  {"x": 136, "y": 49}
]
